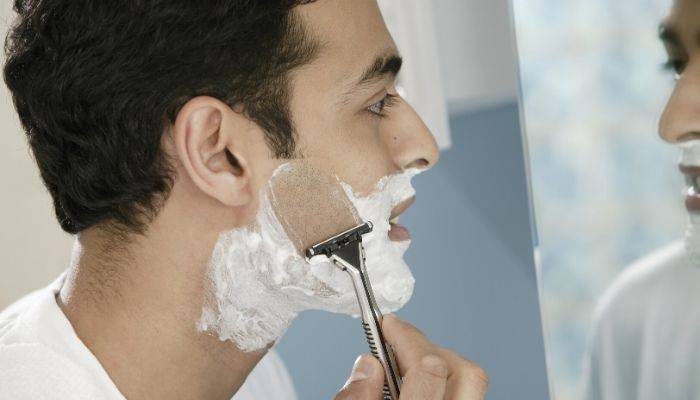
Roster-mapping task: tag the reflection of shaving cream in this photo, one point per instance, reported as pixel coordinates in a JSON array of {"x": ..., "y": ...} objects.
[
  {"x": 690, "y": 157},
  {"x": 259, "y": 282}
]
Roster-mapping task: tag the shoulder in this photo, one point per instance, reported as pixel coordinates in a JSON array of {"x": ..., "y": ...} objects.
[
  {"x": 34, "y": 371},
  {"x": 642, "y": 282},
  {"x": 12, "y": 317},
  {"x": 268, "y": 380}
]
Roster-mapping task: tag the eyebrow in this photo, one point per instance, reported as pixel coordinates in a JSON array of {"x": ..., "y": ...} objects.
[
  {"x": 668, "y": 34},
  {"x": 383, "y": 66}
]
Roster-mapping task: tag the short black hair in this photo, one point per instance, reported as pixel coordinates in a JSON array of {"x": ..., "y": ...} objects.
[{"x": 96, "y": 83}]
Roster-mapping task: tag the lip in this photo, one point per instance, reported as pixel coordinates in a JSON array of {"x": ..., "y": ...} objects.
[
  {"x": 404, "y": 205},
  {"x": 399, "y": 233},
  {"x": 692, "y": 195}
]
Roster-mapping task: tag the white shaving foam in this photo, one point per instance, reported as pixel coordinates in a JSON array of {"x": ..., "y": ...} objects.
[
  {"x": 259, "y": 283},
  {"x": 690, "y": 157},
  {"x": 690, "y": 153}
]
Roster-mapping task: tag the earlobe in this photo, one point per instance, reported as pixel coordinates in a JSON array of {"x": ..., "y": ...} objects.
[{"x": 206, "y": 144}]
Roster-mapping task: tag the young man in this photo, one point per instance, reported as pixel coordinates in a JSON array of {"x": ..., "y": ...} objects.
[
  {"x": 155, "y": 125},
  {"x": 644, "y": 344}
]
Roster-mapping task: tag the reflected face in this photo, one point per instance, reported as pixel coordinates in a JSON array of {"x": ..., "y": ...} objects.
[
  {"x": 680, "y": 121},
  {"x": 348, "y": 115}
]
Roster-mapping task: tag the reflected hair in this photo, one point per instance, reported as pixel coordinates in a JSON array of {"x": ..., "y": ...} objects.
[{"x": 95, "y": 85}]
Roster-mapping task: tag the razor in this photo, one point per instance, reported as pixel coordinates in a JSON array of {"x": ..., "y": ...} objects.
[{"x": 348, "y": 254}]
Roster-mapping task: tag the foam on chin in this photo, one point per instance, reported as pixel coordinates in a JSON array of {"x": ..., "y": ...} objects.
[
  {"x": 259, "y": 283},
  {"x": 692, "y": 239},
  {"x": 690, "y": 156}
]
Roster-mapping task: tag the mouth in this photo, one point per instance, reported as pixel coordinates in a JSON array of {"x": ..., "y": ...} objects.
[
  {"x": 692, "y": 180},
  {"x": 399, "y": 233}
]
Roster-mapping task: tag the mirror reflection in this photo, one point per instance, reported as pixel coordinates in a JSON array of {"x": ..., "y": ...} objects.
[{"x": 611, "y": 106}]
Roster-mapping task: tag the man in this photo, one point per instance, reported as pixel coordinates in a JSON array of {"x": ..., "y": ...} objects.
[
  {"x": 155, "y": 125},
  {"x": 646, "y": 336}
]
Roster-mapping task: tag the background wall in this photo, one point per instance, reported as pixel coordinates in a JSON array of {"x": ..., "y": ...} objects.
[
  {"x": 477, "y": 53},
  {"x": 33, "y": 247}
]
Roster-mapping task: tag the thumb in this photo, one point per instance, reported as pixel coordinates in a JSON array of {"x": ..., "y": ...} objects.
[{"x": 366, "y": 380}]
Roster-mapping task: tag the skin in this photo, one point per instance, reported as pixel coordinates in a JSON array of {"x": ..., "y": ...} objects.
[
  {"x": 135, "y": 305},
  {"x": 428, "y": 371},
  {"x": 680, "y": 35}
]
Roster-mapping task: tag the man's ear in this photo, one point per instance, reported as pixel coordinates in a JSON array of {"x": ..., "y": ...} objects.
[{"x": 209, "y": 137}]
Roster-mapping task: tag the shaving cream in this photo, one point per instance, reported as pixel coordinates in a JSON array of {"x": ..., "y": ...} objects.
[
  {"x": 259, "y": 283},
  {"x": 690, "y": 156}
]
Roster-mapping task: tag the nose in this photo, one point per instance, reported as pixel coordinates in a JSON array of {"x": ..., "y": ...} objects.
[
  {"x": 680, "y": 120},
  {"x": 411, "y": 142}
]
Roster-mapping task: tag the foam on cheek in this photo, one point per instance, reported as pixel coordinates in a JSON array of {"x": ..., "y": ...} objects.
[
  {"x": 259, "y": 283},
  {"x": 391, "y": 278}
]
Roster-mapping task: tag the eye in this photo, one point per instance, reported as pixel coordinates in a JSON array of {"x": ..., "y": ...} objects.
[
  {"x": 379, "y": 108},
  {"x": 676, "y": 66}
]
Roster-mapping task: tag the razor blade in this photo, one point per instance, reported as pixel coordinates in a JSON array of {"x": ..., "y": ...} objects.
[{"x": 339, "y": 241}]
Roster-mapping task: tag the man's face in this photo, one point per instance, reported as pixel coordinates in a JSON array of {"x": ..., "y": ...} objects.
[
  {"x": 344, "y": 104},
  {"x": 346, "y": 130}
]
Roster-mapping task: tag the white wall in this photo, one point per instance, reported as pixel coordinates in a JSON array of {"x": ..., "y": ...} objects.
[
  {"x": 477, "y": 53},
  {"x": 33, "y": 247}
]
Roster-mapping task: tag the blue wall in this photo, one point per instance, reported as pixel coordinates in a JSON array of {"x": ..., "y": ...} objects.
[{"x": 476, "y": 290}]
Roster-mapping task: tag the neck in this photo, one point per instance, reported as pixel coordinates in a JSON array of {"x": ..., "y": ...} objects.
[{"x": 136, "y": 308}]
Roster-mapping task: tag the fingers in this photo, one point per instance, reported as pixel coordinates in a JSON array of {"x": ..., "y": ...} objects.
[
  {"x": 426, "y": 380},
  {"x": 429, "y": 371},
  {"x": 466, "y": 380},
  {"x": 410, "y": 344},
  {"x": 366, "y": 380}
]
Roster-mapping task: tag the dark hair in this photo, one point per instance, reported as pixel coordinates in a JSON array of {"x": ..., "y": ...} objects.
[{"x": 96, "y": 83}]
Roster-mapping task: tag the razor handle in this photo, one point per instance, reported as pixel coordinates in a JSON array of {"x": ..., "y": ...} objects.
[{"x": 372, "y": 320}]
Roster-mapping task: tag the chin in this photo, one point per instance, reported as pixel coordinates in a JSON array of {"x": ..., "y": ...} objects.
[{"x": 692, "y": 238}]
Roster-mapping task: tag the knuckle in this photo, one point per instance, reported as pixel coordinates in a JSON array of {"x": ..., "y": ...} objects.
[
  {"x": 476, "y": 375},
  {"x": 434, "y": 365},
  {"x": 346, "y": 394}
]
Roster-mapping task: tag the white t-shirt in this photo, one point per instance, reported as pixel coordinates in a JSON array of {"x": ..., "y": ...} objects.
[
  {"x": 41, "y": 357},
  {"x": 645, "y": 342}
]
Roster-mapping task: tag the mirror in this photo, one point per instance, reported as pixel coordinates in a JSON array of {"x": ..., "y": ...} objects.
[{"x": 607, "y": 196}]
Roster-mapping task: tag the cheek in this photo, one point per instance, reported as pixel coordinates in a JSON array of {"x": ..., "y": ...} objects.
[
  {"x": 361, "y": 158},
  {"x": 348, "y": 146}
]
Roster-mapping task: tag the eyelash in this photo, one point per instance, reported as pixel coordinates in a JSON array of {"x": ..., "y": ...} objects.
[
  {"x": 386, "y": 102},
  {"x": 674, "y": 65}
]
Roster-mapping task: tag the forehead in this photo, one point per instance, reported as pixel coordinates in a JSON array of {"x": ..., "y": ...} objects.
[
  {"x": 685, "y": 16},
  {"x": 351, "y": 33}
]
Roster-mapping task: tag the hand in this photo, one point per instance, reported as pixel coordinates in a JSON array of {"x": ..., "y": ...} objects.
[{"x": 428, "y": 371}]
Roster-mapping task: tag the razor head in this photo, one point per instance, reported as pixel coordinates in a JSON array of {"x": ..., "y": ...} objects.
[{"x": 340, "y": 241}]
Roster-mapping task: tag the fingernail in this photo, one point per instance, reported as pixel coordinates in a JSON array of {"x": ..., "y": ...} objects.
[
  {"x": 362, "y": 369},
  {"x": 435, "y": 365}
]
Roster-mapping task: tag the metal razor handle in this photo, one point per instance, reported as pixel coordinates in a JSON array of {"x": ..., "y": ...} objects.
[
  {"x": 392, "y": 383},
  {"x": 372, "y": 324}
]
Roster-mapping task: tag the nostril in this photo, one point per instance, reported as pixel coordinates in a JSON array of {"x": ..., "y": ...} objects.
[
  {"x": 687, "y": 137},
  {"x": 419, "y": 163}
]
